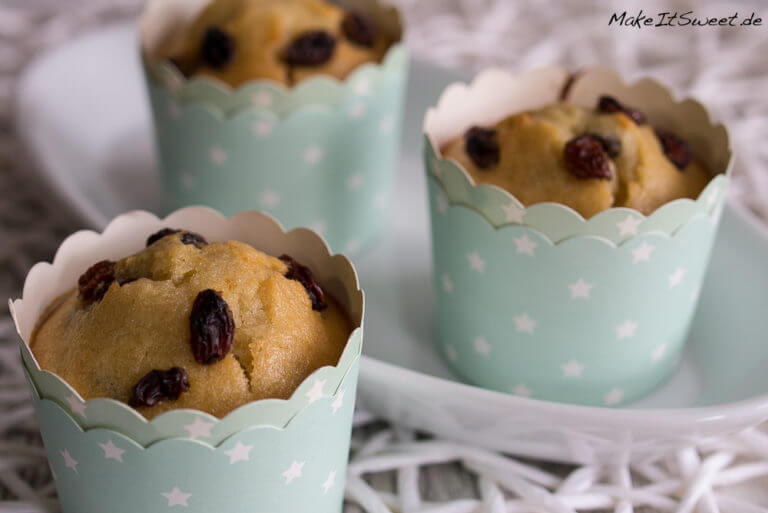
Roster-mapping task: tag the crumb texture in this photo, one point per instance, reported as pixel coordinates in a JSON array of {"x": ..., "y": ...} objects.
[
  {"x": 142, "y": 323},
  {"x": 534, "y": 161}
]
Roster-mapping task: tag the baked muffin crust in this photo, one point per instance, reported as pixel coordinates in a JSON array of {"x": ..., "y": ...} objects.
[
  {"x": 285, "y": 41},
  {"x": 631, "y": 167},
  {"x": 104, "y": 346}
]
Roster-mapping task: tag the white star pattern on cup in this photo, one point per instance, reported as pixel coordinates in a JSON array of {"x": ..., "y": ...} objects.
[
  {"x": 111, "y": 451},
  {"x": 447, "y": 283},
  {"x": 626, "y": 330},
  {"x": 294, "y": 472},
  {"x": 629, "y": 225},
  {"x": 329, "y": 482},
  {"x": 355, "y": 182},
  {"x": 450, "y": 352},
  {"x": 642, "y": 253},
  {"x": 525, "y": 246},
  {"x": 676, "y": 278},
  {"x": 357, "y": 110},
  {"x": 187, "y": 181},
  {"x": 262, "y": 98},
  {"x": 218, "y": 155},
  {"x": 239, "y": 452},
  {"x": 69, "y": 461},
  {"x": 523, "y": 323},
  {"x": 199, "y": 428},
  {"x": 522, "y": 390},
  {"x": 76, "y": 406},
  {"x": 442, "y": 203},
  {"x": 362, "y": 86},
  {"x": 580, "y": 289},
  {"x": 177, "y": 498},
  {"x": 572, "y": 369},
  {"x": 338, "y": 402},
  {"x": 352, "y": 246},
  {"x": 659, "y": 352},
  {"x": 316, "y": 392},
  {"x": 320, "y": 226},
  {"x": 269, "y": 199},
  {"x": 476, "y": 263},
  {"x": 313, "y": 154},
  {"x": 695, "y": 293},
  {"x": 613, "y": 397},
  {"x": 513, "y": 213},
  {"x": 261, "y": 128},
  {"x": 482, "y": 347}
]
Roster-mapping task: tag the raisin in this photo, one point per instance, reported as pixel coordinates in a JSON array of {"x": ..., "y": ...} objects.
[
  {"x": 586, "y": 158},
  {"x": 311, "y": 48},
  {"x": 211, "y": 327},
  {"x": 94, "y": 282},
  {"x": 609, "y": 104},
  {"x": 359, "y": 30},
  {"x": 159, "y": 235},
  {"x": 481, "y": 147},
  {"x": 190, "y": 238},
  {"x": 159, "y": 385},
  {"x": 218, "y": 48},
  {"x": 611, "y": 145},
  {"x": 566, "y": 89},
  {"x": 676, "y": 150},
  {"x": 304, "y": 275}
]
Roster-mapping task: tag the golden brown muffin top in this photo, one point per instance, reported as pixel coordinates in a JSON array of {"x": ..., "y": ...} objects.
[
  {"x": 188, "y": 324},
  {"x": 282, "y": 40},
  {"x": 587, "y": 159}
]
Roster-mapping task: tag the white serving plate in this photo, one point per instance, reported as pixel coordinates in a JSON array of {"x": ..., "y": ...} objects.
[{"x": 82, "y": 113}]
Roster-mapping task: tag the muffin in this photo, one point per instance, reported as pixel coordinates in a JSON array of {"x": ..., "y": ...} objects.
[
  {"x": 190, "y": 324},
  {"x": 533, "y": 299},
  {"x": 136, "y": 329},
  {"x": 588, "y": 159},
  {"x": 234, "y": 134},
  {"x": 285, "y": 41}
]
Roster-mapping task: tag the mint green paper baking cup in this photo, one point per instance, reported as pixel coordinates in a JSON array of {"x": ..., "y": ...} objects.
[
  {"x": 321, "y": 154},
  {"x": 543, "y": 303},
  {"x": 261, "y": 468},
  {"x": 268, "y": 455}
]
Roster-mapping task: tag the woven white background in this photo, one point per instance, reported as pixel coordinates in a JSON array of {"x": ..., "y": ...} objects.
[{"x": 393, "y": 469}]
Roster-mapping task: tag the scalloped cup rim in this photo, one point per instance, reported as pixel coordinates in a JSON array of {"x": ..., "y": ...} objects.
[
  {"x": 469, "y": 182},
  {"x": 351, "y": 353},
  {"x": 169, "y": 76},
  {"x": 397, "y": 48},
  {"x": 297, "y": 105},
  {"x": 594, "y": 236},
  {"x": 351, "y": 350},
  {"x": 161, "y": 442},
  {"x": 711, "y": 185}
]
